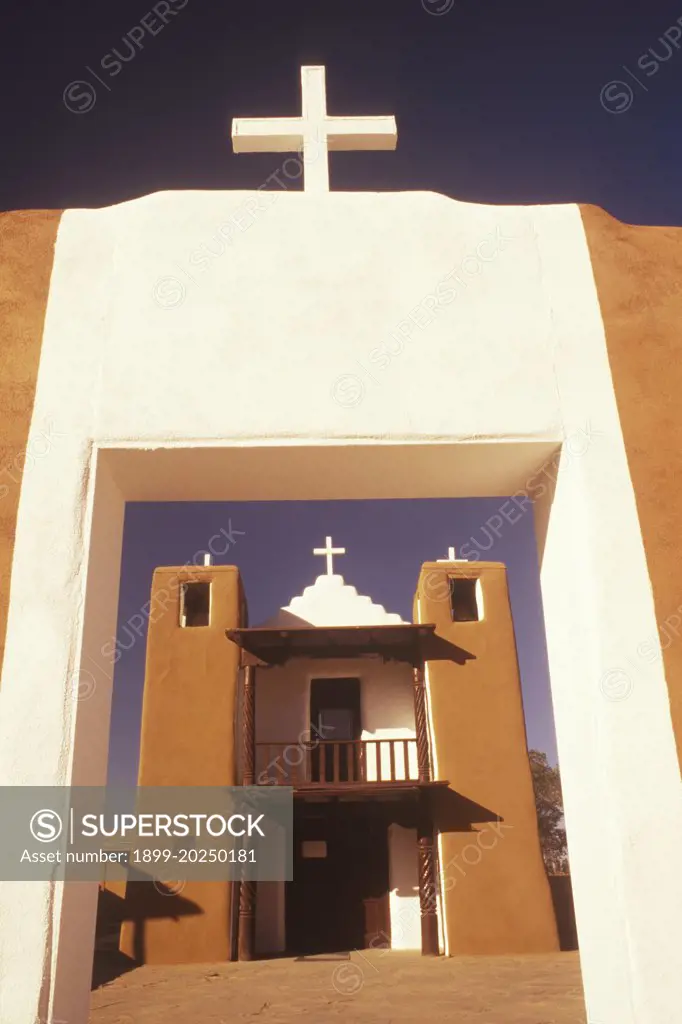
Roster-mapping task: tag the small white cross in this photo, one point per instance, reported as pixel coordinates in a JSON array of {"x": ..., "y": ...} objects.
[
  {"x": 329, "y": 551},
  {"x": 207, "y": 558},
  {"x": 315, "y": 133},
  {"x": 452, "y": 557}
]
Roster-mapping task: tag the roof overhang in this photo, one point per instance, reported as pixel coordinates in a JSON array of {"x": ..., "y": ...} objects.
[{"x": 406, "y": 642}]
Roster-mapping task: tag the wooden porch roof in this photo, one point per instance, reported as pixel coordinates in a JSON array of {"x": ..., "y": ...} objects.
[{"x": 405, "y": 642}]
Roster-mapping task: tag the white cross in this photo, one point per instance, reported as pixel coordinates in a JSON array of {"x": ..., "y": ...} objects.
[
  {"x": 207, "y": 558},
  {"x": 329, "y": 551},
  {"x": 315, "y": 133},
  {"x": 452, "y": 557}
]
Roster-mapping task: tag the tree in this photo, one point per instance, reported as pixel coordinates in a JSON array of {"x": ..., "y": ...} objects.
[{"x": 550, "y": 811}]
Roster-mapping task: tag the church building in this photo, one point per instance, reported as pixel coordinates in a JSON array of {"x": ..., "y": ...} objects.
[{"x": 404, "y": 743}]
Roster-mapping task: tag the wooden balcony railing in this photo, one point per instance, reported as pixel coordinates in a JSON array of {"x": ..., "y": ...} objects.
[{"x": 335, "y": 762}]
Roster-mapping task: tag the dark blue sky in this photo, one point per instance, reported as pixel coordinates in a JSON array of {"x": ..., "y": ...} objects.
[
  {"x": 497, "y": 102},
  {"x": 272, "y": 542}
]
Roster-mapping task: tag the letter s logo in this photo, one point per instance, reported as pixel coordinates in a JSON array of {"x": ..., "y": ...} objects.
[{"x": 46, "y": 826}]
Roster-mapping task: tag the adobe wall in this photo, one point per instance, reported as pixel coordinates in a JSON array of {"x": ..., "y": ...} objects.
[
  {"x": 493, "y": 882},
  {"x": 188, "y": 738}
]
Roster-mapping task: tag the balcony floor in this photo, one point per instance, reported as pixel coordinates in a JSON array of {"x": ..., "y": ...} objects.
[{"x": 365, "y": 790}]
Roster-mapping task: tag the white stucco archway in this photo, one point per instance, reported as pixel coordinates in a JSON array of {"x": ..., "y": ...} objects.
[
  {"x": 604, "y": 743},
  {"x": 342, "y": 346}
]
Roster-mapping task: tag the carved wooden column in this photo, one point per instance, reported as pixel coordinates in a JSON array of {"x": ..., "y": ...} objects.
[
  {"x": 421, "y": 725},
  {"x": 428, "y": 896},
  {"x": 428, "y": 901},
  {"x": 247, "y": 920},
  {"x": 247, "y": 890},
  {"x": 249, "y": 727}
]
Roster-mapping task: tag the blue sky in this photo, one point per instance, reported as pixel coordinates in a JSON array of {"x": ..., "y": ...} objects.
[
  {"x": 272, "y": 543},
  {"x": 496, "y": 102}
]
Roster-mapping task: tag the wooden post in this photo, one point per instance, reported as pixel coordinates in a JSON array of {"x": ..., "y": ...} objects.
[
  {"x": 428, "y": 901},
  {"x": 247, "y": 890},
  {"x": 235, "y": 892},
  {"x": 247, "y": 920},
  {"x": 249, "y": 727},
  {"x": 423, "y": 759}
]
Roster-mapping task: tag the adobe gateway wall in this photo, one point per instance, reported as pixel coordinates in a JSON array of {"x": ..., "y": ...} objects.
[{"x": 324, "y": 290}]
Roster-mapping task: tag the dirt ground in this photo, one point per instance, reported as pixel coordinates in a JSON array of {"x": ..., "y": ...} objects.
[{"x": 372, "y": 987}]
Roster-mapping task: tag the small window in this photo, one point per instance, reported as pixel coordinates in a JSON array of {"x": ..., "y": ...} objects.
[
  {"x": 463, "y": 599},
  {"x": 195, "y": 604}
]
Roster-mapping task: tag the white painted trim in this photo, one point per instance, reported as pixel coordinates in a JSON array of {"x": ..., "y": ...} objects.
[
  {"x": 480, "y": 601},
  {"x": 543, "y": 438},
  {"x": 443, "y": 939}
]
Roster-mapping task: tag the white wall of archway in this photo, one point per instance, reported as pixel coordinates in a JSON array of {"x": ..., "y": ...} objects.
[
  {"x": 250, "y": 381},
  {"x": 602, "y": 742}
]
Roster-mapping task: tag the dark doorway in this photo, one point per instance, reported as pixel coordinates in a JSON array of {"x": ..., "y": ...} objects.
[
  {"x": 338, "y": 900},
  {"x": 335, "y": 728}
]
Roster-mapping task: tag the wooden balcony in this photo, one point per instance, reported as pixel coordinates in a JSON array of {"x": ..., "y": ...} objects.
[{"x": 335, "y": 763}]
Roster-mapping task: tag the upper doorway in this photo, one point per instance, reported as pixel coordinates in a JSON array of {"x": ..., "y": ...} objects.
[{"x": 335, "y": 729}]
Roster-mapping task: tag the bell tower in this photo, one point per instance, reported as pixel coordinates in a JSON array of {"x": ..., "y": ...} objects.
[
  {"x": 495, "y": 890},
  {"x": 189, "y": 715}
]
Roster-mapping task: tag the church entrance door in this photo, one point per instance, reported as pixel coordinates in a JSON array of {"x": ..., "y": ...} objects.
[{"x": 338, "y": 899}]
